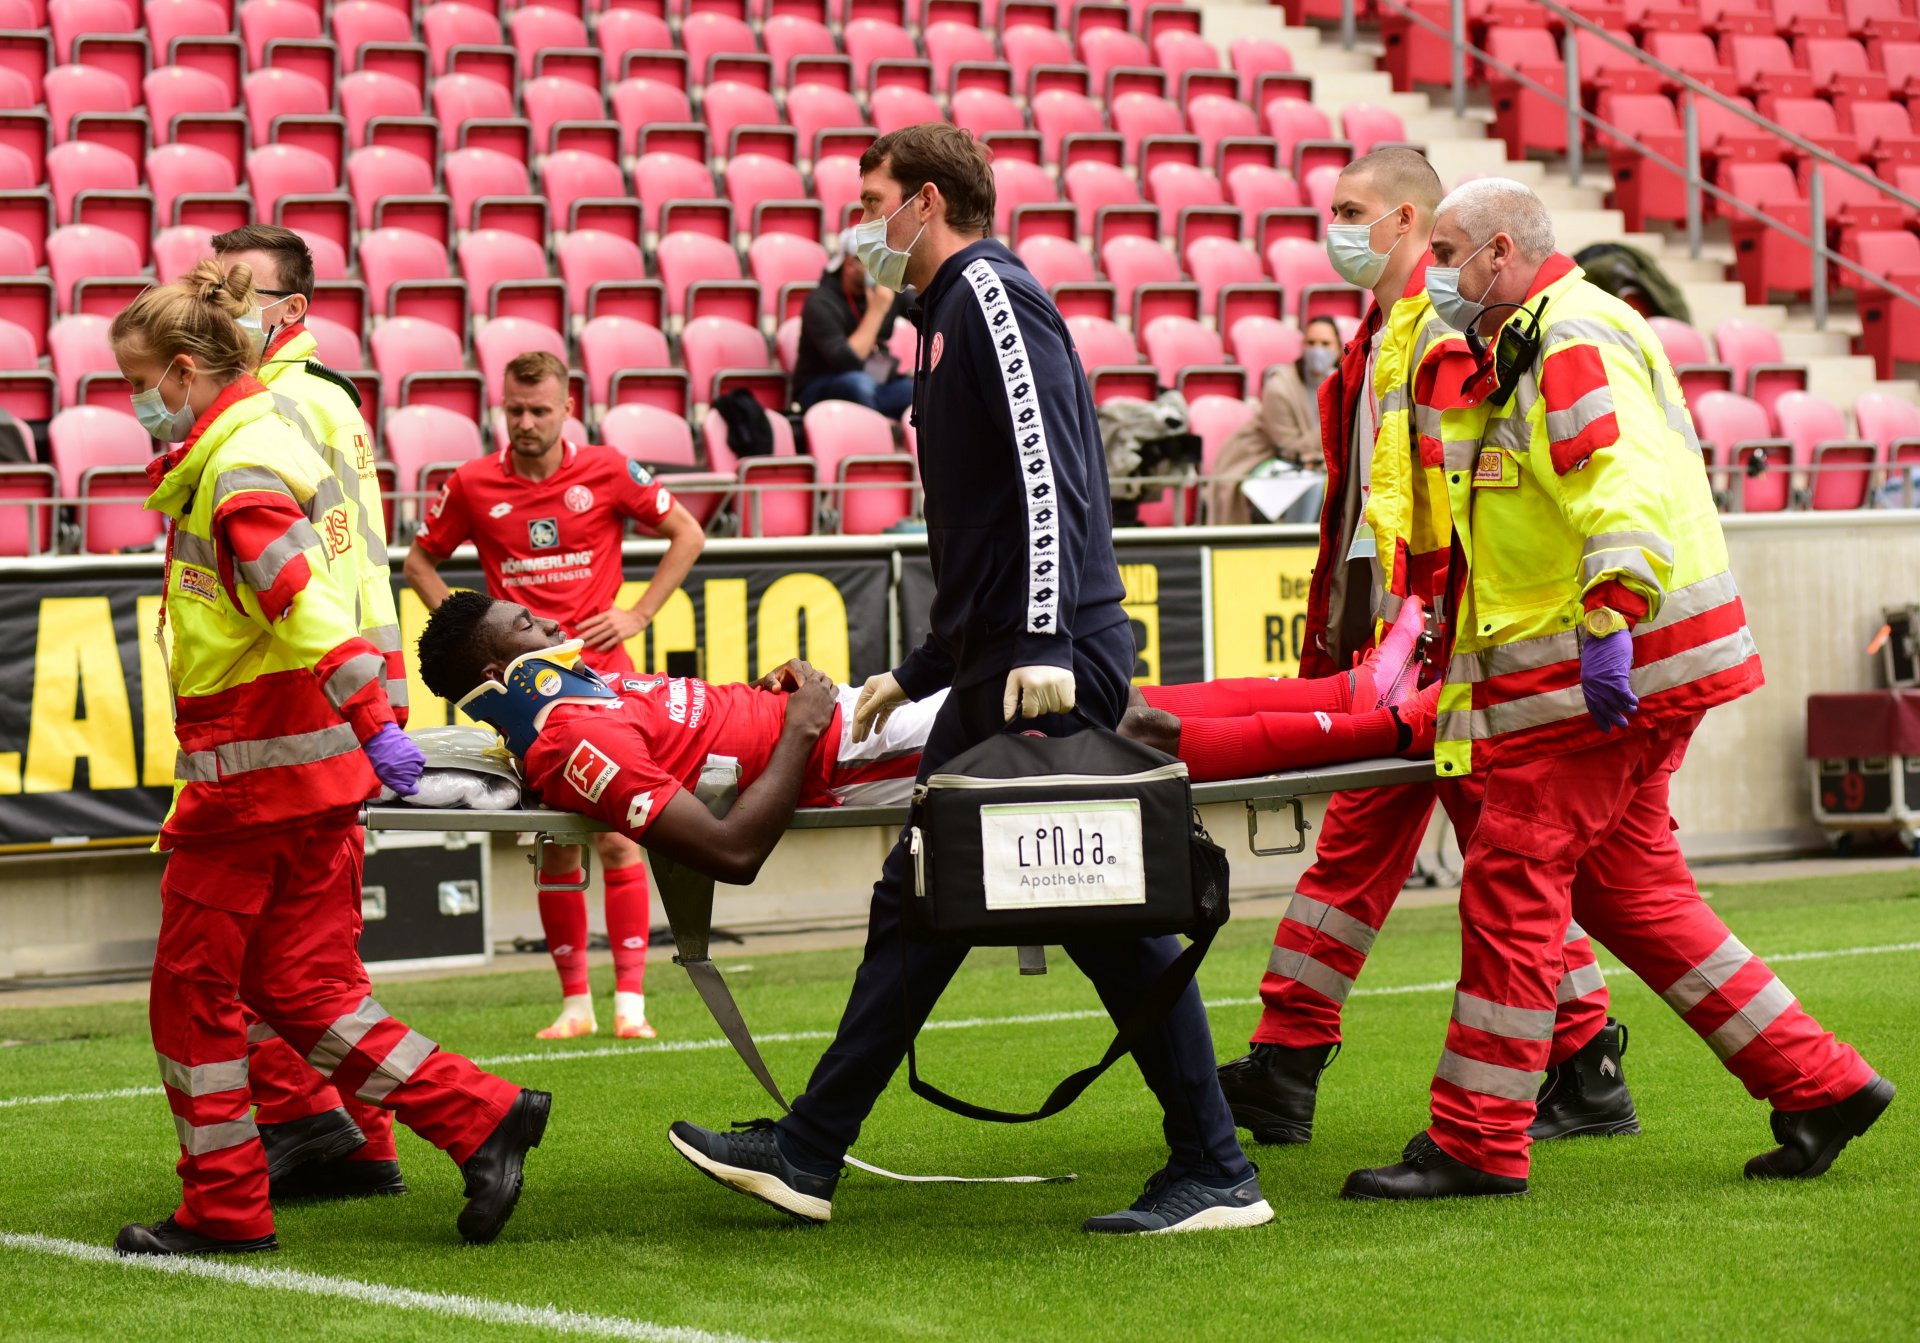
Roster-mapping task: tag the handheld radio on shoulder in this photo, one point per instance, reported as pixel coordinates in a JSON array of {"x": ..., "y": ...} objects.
[{"x": 1514, "y": 352}]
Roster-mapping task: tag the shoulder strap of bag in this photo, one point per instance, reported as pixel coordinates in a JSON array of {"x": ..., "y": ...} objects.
[{"x": 1152, "y": 1005}]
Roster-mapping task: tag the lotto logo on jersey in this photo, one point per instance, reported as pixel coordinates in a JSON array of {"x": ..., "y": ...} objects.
[
  {"x": 543, "y": 533},
  {"x": 639, "y": 810},
  {"x": 589, "y": 772}
]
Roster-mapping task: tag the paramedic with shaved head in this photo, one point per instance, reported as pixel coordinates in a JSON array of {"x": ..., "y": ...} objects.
[
  {"x": 1384, "y": 543},
  {"x": 1596, "y": 621}
]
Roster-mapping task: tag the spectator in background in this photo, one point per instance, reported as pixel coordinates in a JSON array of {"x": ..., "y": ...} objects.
[
  {"x": 1285, "y": 428},
  {"x": 844, "y": 329}
]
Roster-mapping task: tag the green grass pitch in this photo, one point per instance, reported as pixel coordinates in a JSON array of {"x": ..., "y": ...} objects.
[{"x": 1649, "y": 1237}]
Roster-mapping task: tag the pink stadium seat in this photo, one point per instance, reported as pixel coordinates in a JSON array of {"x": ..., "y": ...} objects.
[
  {"x": 1220, "y": 266},
  {"x": 1367, "y": 126},
  {"x": 623, "y": 30},
  {"x": 366, "y": 94},
  {"x": 25, "y": 530},
  {"x": 275, "y": 93},
  {"x": 534, "y": 29},
  {"x": 776, "y": 260},
  {"x": 985, "y": 111},
  {"x": 170, "y": 20},
  {"x": 354, "y": 23},
  {"x": 1103, "y": 50},
  {"x": 1176, "y": 343},
  {"x": 754, "y": 178},
  {"x": 1027, "y": 47},
  {"x": 950, "y": 44},
  {"x": 836, "y": 184},
  {"x": 1058, "y": 113},
  {"x": 77, "y": 346},
  {"x": 1732, "y": 429},
  {"x": 472, "y": 175},
  {"x": 589, "y": 257},
  {"x": 1255, "y": 188},
  {"x": 16, "y": 170},
  {"x": 1889, "y": 331},
  {"x": 686, "y": 259},
  {"x": 462, "y": 98},
  {"x": 1016, "y": 184},
  {"x": 1261, "y": 342},
  {"x": 449, "y": 24},
  {"x": 1178, "y": 51},
  {"x": 1312, "y": 285},
  {"x": 707, "y": 35},
  {"x": 649, "y": 435},
  {"x": 1216, "y": 419},
  {"x": 728, "y": 104},
  {"x": 1894, "y": 425},
  {"x": 507, "y": 277},
  {"x": 376, "y": 173},
  {"x": 895, "y": 105},
  {"x": 1175, "y": 186},
  {"x": 638, "y": 103},
  {"x": 1101, "y": 343},
  {"x": 419, "y": 437},
  {"x": 1214, "y": 118},
  {"x": 1254, "y": 57},
  {"x": 1305, "y": 136},
  {"x": 423, "y": 363},
  {"x": 854, "y": 451},
  {"x": 418, "y": 266},
  {"x": 264, "y": 21},
  {"x": 1752, "y": 353},
  {"x": 101, "y": 456},
  {"x": 1840, "y": 465},
  {"x": 1692, "y": 360},
  {"x": 86, "y": 252},
  {"x": 338, "y": 345},
  {"x": 574, "y": 175},
  {"x": 660, "y": 177},
  {"x": 177, "y": 250},
  {"x": 555, "y": 98},
  {"x": 498, "y": 342},
  {"x": 791, "y": 37},
  {"x": 813, "y": 108},
  {"x": 786, "y": 345},
  {"x": 175, "y": 90},
  {"x": 870, "y": 40},
  {"x": 1056, "y": 261},
  {"x": 611, "y": 344},
  {"x": 72, "y": 19},
  {"x": 710, "y": 345},
  {"x": 1094, "y": 186},
  {"x": 78, "y": 166},
  {"x": 73, "y": 89}
]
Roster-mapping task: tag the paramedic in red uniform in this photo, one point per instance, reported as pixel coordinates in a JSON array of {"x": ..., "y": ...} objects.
[
  {"x": 547, "y": 517},
  {"x": 284, "y": 728}
]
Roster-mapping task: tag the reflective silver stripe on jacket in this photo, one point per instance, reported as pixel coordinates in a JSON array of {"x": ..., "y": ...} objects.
[
  {"x": 259, "y": 1033},
  {"x": 1563, "y": 426},
  {"x": 202, "y": 1079},
  {"x": 1625, "y": 550},
  {"x": 1029, "y": 445},
  {"x": 261, "y": 573},
  {"x": 352, "y": 676},
  {"x": 1579, "y": 982},
  {"x": 191, "y": 549},
  {"x": 400, "y": 1064},
  {"x": 1489, "y": 1079},
  {"x": 1712, "y": 973},
  {"x": 199, "y": 1139},
  {"x": 1316, "y": 975},
  {"x": 1574, "y": 932},
  {"x": 1512, "y": 1023},
  {"x": 1343, "y": 928},
  {"x": 237, "y": 757},
  {"x": 340, "y": 1038},
  {"x": 1750, "y": 1022}
]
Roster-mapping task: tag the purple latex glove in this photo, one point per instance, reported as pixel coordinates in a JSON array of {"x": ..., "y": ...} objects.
[
  {"x": 1604, "y": 667},
  {"x": 396, "y": 761}
]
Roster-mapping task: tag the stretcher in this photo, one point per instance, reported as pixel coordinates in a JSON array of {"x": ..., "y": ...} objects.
[{"x": 686, "y": 894}]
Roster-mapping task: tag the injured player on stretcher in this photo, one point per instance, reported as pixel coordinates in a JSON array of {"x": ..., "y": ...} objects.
[{"x": 629, "y": 749}]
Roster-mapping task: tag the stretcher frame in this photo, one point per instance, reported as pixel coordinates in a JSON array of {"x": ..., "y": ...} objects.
[{"x": 686, "y": 894}]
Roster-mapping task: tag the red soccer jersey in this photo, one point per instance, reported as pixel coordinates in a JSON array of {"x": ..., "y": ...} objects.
[
  {"x": 620, "y": 760},
  {"x": 552, "y": 545}
]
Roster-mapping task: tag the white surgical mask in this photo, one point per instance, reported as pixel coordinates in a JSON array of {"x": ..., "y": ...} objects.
[
  {"x": 1350, "y": 249},
  {"x": 1317, "y": 361},
  {"x": 160, "y": 420},
  {"x": 885, "y": 266},
  {"x": 256, "y": 332},
  {"x": 260, "y": 320},
  {"x": 1443, "y": 291}
]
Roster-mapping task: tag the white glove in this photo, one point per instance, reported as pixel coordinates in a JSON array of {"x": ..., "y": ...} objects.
[
  {"x": 879, "y": 697},
  {"x": 1032, "y": 691}
]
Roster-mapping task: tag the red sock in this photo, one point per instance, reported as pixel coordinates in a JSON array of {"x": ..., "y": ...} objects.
[
  {"x": 563, "y": 918},
  {"x": 1235, "y": 697},
  {"x": 627, "y": 918},
  {"x": 1267, "y": 743}
]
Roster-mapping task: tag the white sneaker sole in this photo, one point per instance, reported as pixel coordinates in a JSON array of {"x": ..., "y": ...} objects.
[
  {"x": 767, "y": 1188},
  {"x": 1220, "y": 1219}
]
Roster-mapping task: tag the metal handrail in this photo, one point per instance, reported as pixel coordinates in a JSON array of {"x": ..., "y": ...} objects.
[{"x": 1815, "y": 240}]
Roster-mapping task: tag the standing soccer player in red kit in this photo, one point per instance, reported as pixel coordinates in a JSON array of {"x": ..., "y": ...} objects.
[{"x": 547, "y": 517}]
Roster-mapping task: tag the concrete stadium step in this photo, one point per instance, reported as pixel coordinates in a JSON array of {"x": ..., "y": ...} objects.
[{"x": 1315, "y": 53}]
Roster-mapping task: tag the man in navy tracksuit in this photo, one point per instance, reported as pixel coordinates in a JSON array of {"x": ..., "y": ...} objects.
[{"x": 1026, "y": 619}]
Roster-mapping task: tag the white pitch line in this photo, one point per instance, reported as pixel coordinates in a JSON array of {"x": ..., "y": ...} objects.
[
  {"x": 551, "y": 1319},
  {"x": 952, "y": 1024}
]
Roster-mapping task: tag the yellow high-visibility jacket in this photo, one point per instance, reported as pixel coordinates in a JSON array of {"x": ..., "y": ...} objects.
[
  {"x": 323, "y": 404},
  {"x": 1587, "y": 488},
  {"x": 274, "y": 687}
]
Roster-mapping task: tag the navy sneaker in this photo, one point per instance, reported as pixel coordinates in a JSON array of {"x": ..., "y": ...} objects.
[
  {"x": 751, "y": 1161},
  {"x": 1182, "y": 1203}
]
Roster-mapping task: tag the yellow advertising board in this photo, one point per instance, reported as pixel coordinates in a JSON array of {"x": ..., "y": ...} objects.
[{"x": 1259, "y": 609}]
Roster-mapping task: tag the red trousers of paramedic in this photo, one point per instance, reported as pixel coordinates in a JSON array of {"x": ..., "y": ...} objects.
[
  {"x": 1368, "y": 845},
  {"x": 272, "y": 922},
  {"x": 1588, "y": 835}
]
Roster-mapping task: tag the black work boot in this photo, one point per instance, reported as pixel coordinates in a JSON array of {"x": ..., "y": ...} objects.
[
  {"x": 1271, "y": 1090},
  {"x": 322, "y": 1137},
  {"x": 1587, "y": 1095},
  {"x": 167, "y": 1236},
  {"x": 339, "y": 1178},
  {"x": 494, "y": 1172},
  {"x": 1811, "y": 1139},
  {"x": 1427, "y": 1172}
]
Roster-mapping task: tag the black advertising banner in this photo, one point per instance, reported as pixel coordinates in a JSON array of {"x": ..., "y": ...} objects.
[
  {"x": 86, "y": 728},
  {"x": 1164, "y": 601}
]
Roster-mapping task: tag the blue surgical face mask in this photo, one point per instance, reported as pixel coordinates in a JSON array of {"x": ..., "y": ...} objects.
[
  {"x": 1350, "y": 249},
  {"x": 885, "y": 266},
  {"x": 160, "y": 420},
  {"x": 1443, "y": 291}
]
